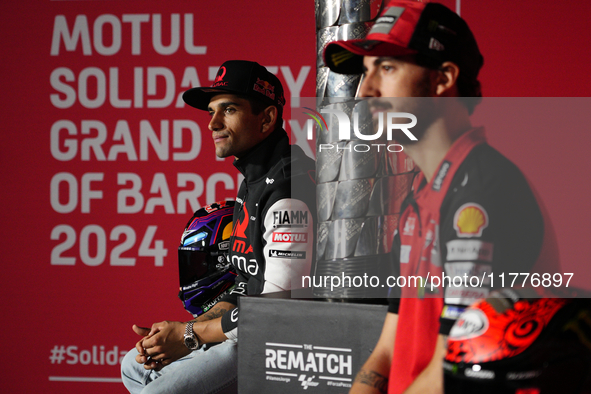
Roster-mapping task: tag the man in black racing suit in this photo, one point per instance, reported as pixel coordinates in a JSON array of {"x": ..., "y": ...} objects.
[{"x": 272, "y": 243}]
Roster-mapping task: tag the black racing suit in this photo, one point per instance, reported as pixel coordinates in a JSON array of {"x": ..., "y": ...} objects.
[{"x": 272, "y": 243}]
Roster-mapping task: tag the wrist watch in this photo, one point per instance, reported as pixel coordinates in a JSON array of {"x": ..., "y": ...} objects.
[{"x": 191, "y": 340}]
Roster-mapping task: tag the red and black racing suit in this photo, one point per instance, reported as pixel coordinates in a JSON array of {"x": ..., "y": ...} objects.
[{"x": 477, "y": 216}]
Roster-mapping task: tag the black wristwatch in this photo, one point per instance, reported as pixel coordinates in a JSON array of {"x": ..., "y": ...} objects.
[{"x": 191, "y": 340}]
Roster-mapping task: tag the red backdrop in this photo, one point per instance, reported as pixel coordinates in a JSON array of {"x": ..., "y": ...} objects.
[{"x": 103, "y": 164}]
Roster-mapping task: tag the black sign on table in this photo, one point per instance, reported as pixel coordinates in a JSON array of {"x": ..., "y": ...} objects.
[{"x": 303, "y": 346}]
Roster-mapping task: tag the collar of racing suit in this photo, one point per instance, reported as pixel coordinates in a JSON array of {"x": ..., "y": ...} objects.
[{"x": 259, "y": 160}]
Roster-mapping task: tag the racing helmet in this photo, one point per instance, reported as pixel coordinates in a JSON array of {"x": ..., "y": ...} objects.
[
  {"x": 205, "y": 275},
  {"x": 510, "y": 344}
]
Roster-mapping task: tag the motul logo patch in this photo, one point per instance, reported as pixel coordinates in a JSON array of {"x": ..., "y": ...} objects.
[{"x": 290, "y": 237}]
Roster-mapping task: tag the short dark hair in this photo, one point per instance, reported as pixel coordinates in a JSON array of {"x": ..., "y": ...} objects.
[
  {"x": 469, "y": 88},
  {"x": 469, "y": 91},
  {"x": 257, "y": 106}
]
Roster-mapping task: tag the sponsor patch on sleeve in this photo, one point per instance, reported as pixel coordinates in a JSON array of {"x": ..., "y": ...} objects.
[
  {"x": 291, "y": 254},
  {"x": 451, "y": 311},
  {"x": 405, "y": 253},
  {"x": 469, "y": 249},
  {"x": 470, "y": 220},
  {"x": 464, "y": 295},
  {"x": 290, "y": 237},
  {"x": 471, "y": 274},
  {"x": 291, "y": 219}
]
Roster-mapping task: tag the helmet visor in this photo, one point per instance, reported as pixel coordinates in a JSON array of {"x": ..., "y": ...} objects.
[{"x": 192, "y": 265}]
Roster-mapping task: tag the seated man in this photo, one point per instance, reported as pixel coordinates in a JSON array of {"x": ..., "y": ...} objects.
[
  {"x": 245, "y": 103},
  {"x": 471, "y": 211}
]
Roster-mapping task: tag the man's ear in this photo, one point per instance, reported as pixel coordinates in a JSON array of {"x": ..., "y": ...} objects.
[
  {"x": 447, "y": 77},
  {"x": 269, "y": 119}
]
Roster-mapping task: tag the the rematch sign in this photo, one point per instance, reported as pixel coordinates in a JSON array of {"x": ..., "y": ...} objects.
[{"x": 287, "y": 346}]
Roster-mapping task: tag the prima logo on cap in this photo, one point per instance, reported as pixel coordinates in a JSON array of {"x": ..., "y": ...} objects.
[
  {"x": 219, "y": 79},
  {"x": 221, "y": 74}
]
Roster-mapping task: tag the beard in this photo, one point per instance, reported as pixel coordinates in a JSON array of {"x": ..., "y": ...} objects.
[{"x": 421, "y": 104}]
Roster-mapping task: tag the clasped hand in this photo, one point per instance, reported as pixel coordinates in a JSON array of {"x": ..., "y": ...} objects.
[{"x": 160, "y": 345}]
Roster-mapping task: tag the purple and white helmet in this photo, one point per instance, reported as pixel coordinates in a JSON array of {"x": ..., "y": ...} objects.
[{"x": 205, "y": 274}]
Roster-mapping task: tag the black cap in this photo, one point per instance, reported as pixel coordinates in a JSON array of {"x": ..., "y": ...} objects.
[{"x": 240, "y": 77}]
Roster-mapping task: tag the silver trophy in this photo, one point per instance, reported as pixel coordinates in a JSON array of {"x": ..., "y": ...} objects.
[
  {"x": 359, "y": 10},
  {"x": 359, "y": 187},
  {"x": 327, "y": 12},
  {"x": 324, "y": 36},
  {"x": 321, "y": 80}
]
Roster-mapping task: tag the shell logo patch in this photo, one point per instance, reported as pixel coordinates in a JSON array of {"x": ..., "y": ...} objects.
[{"x": 470, "y": 220}]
